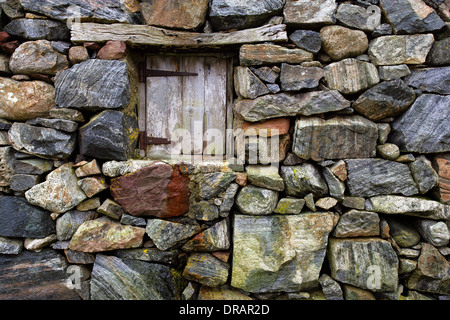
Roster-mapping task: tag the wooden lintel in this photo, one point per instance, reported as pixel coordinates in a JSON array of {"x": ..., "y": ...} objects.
[{"x": 142, "y": 35}]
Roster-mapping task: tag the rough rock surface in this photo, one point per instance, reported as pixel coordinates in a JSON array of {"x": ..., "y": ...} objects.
[
  {"x": 247, "y": 84},
  {"x": 261, "y": 54},
  {"x": 36, "y": 29},
  {"x": 206, "y": 269},
  {"x": 256, "y": 201},
  {"x": 341, "y": 42},
  {"x": 307, "y": 40},
  {"x": 156, "y": 190},
  {"x": 279, "y": 252},
  {"x": 441, "y": 163},
  {"x": 307, "y": 13},
  {"x": 166, "y": 234},
  {"x": 433, "y": 80},
  {"x": 295, "y": 77},
  {"x": 357, "y": 223},
  {"x": 303, "y": 179}
]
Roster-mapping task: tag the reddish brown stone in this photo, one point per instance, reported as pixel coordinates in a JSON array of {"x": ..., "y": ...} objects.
[
  {"x": 9, "y": 47},
  {"x": 92, "y": 45},
  {"x": 4, "y": 36},
  {"x": 156, "y": 190},
  {"x": 441, "y": 163},
  {"x": 113, "y": 50},
  {"x": 267, "y": 128}
]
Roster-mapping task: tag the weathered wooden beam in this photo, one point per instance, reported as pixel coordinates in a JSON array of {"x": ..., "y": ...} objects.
[{"x": 141, "y": 35}]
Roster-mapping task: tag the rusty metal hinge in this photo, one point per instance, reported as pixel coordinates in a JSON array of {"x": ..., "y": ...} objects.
[
  {"x": 144, "y": 73},
  {"x": 144, "y": 140}
]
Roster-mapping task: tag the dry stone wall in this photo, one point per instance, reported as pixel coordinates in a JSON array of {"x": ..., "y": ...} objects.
[{"x": 355, "y": 203}]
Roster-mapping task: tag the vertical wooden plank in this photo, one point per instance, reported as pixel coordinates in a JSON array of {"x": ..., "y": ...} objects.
[
  {"x": 215, "y": 105},
  {"x": 230, "y": 142}
]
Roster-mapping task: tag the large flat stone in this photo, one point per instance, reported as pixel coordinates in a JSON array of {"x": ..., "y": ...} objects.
[
  {"x": 365, "y": 263},
  {"x": 166, "y": 234},
  {"x": 303, "y": 179},
  {"x": 370, "y": 177},
  {"x": 94, "y": 84},
  {"x": 36, "y": 29},
  {"x": 433, "y": 80},
  {"x": 351, "y": 137},
  {"x": 279, "y": 252},
  {"x": 35, "y": 276},
  {"x": 424, "y": 126},
  {"x": 156, "y": 190},
  {"x": 262, "y": 54},
  {"x": 310, "y": 13}
]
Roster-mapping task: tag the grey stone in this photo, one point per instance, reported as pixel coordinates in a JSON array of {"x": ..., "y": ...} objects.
[
  {"x": 266, "y": 74},
  {"x": 46, "y": 143},
  {"x": 289, "y": 206},
  {"x": 36, "y": 244},
  {"x": 424, "y": 174},
  {"x": 170, "y": 257},
  {"x": 433, "y": 80},
  {"x": 303, "y": 179},
  {"x": 352, "y": 136},
  {"x": 115, "y": 10},
  {"x": 61, "y": 46},
  {"x": 358, "y": 17},
  {"x": 411, "y": 206},
  {"x": 434, "y": 232},
  {"x": 206, "y": 269},
  {"x": 307, "y": 40},
  {"x": 110, "y": 135},
  {"x": 357, "y": 223},
  {"x": 68, "y": 223},
  {"x": 336, "y": 187},
  {"x": 212, "y": 184},
  {"x": 351, "y": 76},
  {"x": 242, "y": 14},
  {"x": 295, "y": 77},
  {"x": 35, "y": 276},
  {"x": 228, "y": 199},
  {"x": 256, "y": 201},
  {"x": 36, "y": 29},
  {"x": 128, "y": 279},
  {"x": 309, "y": 202},
  {"x": 387, "y": 99},
  {"x": 393, "y": 72},
  {"x": 279, "y": 252},
  {"x": 166, "y": 234},
  {"x": 370, "y": 177},
  {"x": 383, "y": 132},
  {"x": 439, "y": 53},
  {"x": 406, "y": 265},
  {"x": 128, "y": 219},
  {"x": 247, "y": 84},
  {"x": 12, "y": 8},
  {"x": 411, "y": 16},
  {"x": 399, "y": 49},
  {"x": 94, "y": 84},
  {"x": 59, "y": 192},
  {"x": 269, "y": 54},
  {"x": 354, "y": 202},
  {"x": 307, "y": 13},
  {"x": 10, "y": 245},
  {"x": 18, "y": 218},
  {"x": 402, "y": 231},
  {"x": 22, "y": 182},
  {"x": 424, "y": 126},
  {"x": 331, "y": 288},
  {"x": 384, "y": 29},
  {"x": 215, "y": 238},
  {"x": 357, "y": 261},
  {"x": 33, "y": 166},
  {"x": 205, "y": 211},
  {"x": 4, "y": 64},
  {"x": 265, "y": 177},
  {"x": 6, "y": 165},
  {"x": 58, "y": 124},
  {"x": 113, "y": 210}
]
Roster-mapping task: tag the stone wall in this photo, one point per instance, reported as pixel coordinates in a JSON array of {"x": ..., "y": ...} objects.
[{"x": 357, "y": 206}]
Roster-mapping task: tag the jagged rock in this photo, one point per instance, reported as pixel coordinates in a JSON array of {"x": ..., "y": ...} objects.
[
  {"x": 261, "y": 54},
  {"x": 37, "y": 29},
  {"x": 59, "y": 193},
  {"x": 247, "y": 85},
  {"x": 331, "y": 288},
  {"x": 93, "y": 185},
  {"x": 175, "y": 14},
  {"x": 286, "y": 105},
  {"x": 424, "y": 174},
  {"x": 352, "y": 136},
  {"x": 410, "y": 206},
  {"x": 432, "y": 273},
  {"x": 33, "y": 166},
  {"x": 93, "y": 85},
  {"x": 42, "y": 142},
  {"x": 267, "y": 74},
  {"x": 10, "y": 245},
  {"x": 307, "y": 13},
  {"x": 22, "y": 182},
  {"x": 20, "y": 219},
  {"x": 114, "y": 210},
  {"x": 110, "y": 135},
  {"x": 215, "y": 238},
  {"x": 37, "y": 57},
  {"x": 36, "y": 244},
  {"x": 4, "y": 64},
  {"x": 170, "y": 257},
  {"x": 68, "y": 223},
  {"x": 7, "y": 161},
  {"x": 351, "y": 75},
  {"x": 166, "y": 234},
  {"x": 228, "y": 198},
  {"x": 434, "y": 80},
  {"x": 307, "y": 40},
  {"x": 393, "y": 72},
  {"x": 411, "y": 16},
  {"x": 128, "y": 279},
  {"x": 278, "y": 252},
  {"x": 340, "y": 42},
  {"x": 242, "y": 14},
  {"x": 206, "y": 269},
  {"x": 392, "y": 50},
  {"x": 370, "y": 177},
  {"x": 115, "y": 11},
  {"x": 354, "y": 16},
  {"x": 357, "y": 223},
  {"x": 387, "y": 99},
  {"x": 214, "y": 183},
  {"x": 295, "y": 77},
  {"x": 265, "y": 177},
  {"x": 156, "y": 190},
  {"x": 91, "y": 168},
  {"x": 326, "y": 203},
  {"x": 434, "y": 232},
  {"x": 441, "y": 163},
  {"x": 25, "y": 100},
  {"x": 336, "y": 187},
  {"x": 221, "y": 293},
  {"x": 423, "y": 127},
  {"x": 402, "y": 231},
  {"x": 289, "y": 206},
  {"x": 439, "y": 53},
  {"x": 369, "y": 263},
  {"x": 256, "y": 201},
  {"x": 45, "y": 277},
  {"x": 303, "y": 179},
  {"x": 104, "y": 235},
  {"x": 57, "y": 124}
]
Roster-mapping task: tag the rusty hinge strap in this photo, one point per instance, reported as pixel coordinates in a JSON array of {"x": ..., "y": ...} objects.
[
  {"x": 144, "y": 140},
  {"x": 144, "y": 73}
]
